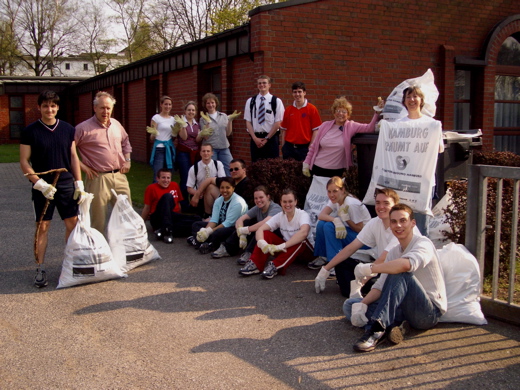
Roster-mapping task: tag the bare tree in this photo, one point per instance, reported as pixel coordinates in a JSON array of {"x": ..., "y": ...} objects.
[
  {"x": 130, "y": 14},
  {"x": 43, "y": 30},
  {"x": 94, "y": 32}
]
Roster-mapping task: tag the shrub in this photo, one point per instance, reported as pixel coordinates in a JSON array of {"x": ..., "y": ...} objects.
[
  {"x": 456, "y": 215},
  {"x": 277, "y": 175}
]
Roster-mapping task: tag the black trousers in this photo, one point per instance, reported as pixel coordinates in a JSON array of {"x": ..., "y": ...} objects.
[{"x": 163, "y": 217}]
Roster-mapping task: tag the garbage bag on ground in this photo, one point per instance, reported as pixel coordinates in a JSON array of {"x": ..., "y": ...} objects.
[
  {"x": 88, "y": 257},
  {"x": 462, "y": 278},
  {"x": 128, "y": 237}
]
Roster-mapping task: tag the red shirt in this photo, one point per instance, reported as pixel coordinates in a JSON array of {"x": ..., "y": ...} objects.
[
  {"x": 154, "y": 192},
  {"x": 299, "y": 123}
]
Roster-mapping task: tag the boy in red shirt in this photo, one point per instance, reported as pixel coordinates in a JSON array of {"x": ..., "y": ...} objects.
[{"x": 162, "y": 206}]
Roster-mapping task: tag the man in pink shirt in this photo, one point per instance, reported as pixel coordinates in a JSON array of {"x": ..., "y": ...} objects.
[{"x": 105, "y": 157}]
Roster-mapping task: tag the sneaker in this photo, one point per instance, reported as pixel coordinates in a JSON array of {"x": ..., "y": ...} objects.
[
  {"x": 317, "y": 263},
  {"x": 396, "y": 333},
  {"x": 206, "y": 247},
  {"x": 168, "y": 236},
  {"x": 192, "y": 241},
  {"x": 40, "y": 280},
  {"x": 270, "y": 271},
  {"x": 158, "y": 234},
  {"x": 369, "y": 340},
  {"x": 220, "y": 252},
  {"x": 242, "y": 260},
  {"x": 249, "y": 269}
]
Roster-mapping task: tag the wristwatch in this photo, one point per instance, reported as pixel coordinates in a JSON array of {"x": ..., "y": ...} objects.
[{"x": 127, "y": 160}]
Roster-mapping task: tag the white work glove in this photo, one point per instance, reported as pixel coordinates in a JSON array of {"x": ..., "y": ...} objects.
[
  {"x": 243, "y": 231},
  {"x": 341, "y": 230},
  {"x": 79, "y": 192},
  {"x": 206, "y": 117},
  {"x": 319, "y": 282},
  {"x": 46, "y": 189},
  {"x": 355, "y": 289},
  {"x": 343, "y": 213},
  {"x": 180, "y": 120},
  {"x": 363, "y": 270},
  {"x": 358, "y": 317},
  {"x": 242, "y": 242},
  {"x": 206, "y": 132},
  {"x": 234, "y": 115},
  {"x": 176, "y": 128},
  {"x": 203, "y": 234},
  {"x": 152, "y": 130},
  {"x": 262, "y": 244},
  {"x": 306, "y": 170},
  {"x": 272, "y": 249}
]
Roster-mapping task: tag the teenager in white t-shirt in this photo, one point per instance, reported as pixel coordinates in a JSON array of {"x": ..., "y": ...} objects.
[
  {"x": 339, "y": 223},
  {"x": 376, "y": 233},
  {"x": 296, "y": 240}
]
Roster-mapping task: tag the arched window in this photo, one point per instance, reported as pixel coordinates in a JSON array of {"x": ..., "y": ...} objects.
[{"x": 507, "y": 96}]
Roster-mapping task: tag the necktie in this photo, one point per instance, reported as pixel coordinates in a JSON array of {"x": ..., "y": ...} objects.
[
  {"x": 261, "y": 111},
  {"x": 207, "y": 171}
]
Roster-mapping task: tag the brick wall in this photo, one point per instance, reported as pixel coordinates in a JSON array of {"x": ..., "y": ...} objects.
[
  {"x": 135, "y": 109},
  {"x": 359, "y": 49}
]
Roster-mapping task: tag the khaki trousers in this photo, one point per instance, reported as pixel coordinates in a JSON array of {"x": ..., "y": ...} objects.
[{"x": 101, "y": 187}]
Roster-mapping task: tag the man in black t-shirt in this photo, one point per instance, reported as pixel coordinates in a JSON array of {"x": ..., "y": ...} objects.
[{"x": 45, "y": 145}]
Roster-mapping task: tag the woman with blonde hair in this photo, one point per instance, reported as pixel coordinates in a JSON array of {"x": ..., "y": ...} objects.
[{"x": 339, "y": 222}]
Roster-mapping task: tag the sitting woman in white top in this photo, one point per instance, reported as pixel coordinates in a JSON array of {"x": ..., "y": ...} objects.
[
  {"x": 296, "y": 240},
  {"x": 207, "y": 236},
  {"x": 339, "y": 223}
]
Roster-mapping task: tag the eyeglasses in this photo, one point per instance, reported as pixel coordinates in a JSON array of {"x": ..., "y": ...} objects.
[
  {"x": 344, "y": 112},
  {"x": 234, "y": 169}
]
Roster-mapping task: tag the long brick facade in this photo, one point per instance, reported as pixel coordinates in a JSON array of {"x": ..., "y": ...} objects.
[{"x": 359, "y": 49}]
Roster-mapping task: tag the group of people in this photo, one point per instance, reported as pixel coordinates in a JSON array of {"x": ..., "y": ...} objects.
[{"x": 267, "y": 236}]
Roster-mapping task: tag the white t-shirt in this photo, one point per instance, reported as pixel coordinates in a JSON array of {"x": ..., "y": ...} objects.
[
  {"x": 163, "y": 127},
  {"x": 195, "y": 182},
  {"x": 425, "y": 266},
  {"x": 288, "y": 229},
  {"x": 376, "y": 236},
  {"x": 356, "y": 210}
]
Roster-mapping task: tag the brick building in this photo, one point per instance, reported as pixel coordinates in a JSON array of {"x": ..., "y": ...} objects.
[{"x": 360, "y": 49}]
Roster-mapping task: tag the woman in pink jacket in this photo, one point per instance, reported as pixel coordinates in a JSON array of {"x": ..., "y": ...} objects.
[{"x": 330, "y": 153}]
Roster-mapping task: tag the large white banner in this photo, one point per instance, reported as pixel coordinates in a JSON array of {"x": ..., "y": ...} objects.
[{"x": 405, "y": 161}]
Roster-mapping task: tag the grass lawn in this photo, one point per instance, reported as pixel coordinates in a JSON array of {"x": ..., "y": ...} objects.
[
  {"x": 139, "y": 177},
  {"x": 9, "y": 153}
]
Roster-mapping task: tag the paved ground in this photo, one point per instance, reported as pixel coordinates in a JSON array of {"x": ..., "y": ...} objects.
[{"x": 190, "y": 322}]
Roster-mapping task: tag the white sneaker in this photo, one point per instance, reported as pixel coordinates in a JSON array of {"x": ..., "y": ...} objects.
[
  {"x": 242, "y": 260},
  {"x": 220, "y": 252}
]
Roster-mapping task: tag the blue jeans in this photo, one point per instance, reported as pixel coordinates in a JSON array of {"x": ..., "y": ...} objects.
[
  {"x": 225, "y": 157},
  {"x": 326, "y": 244},
  {"x": 159, "y": 162},
  {"x": 402, "y": 298}
]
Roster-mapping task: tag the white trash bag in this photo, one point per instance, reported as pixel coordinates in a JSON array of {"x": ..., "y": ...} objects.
[
  {"x": 438, "y": 224},
  {"x": 405, "y": 161},
  {"x": 88, "y": 257},
  {"x": 462, "y": 278},
  {"x": 316, "y": 200},
  {"x": 394, "y": 108},
  {"x": 128, "y": 237}
]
